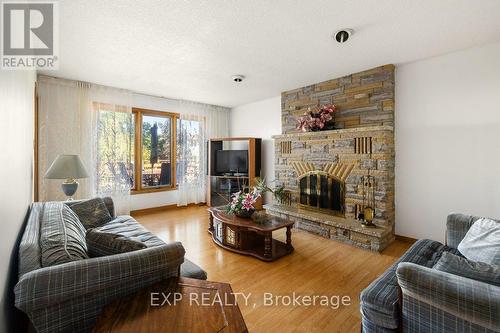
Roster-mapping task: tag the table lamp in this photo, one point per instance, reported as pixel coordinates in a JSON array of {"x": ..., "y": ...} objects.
[{"x": 68, "y": 167}]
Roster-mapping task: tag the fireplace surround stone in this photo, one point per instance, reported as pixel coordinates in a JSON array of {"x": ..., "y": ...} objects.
[{"x": 336, "y": 153}]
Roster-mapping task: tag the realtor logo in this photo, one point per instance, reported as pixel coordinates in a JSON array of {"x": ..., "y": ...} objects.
[{"x": 29, "y": 35}]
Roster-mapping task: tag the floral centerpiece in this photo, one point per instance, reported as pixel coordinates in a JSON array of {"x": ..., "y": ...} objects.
[
  {"x": 318, "y": 120},
  {"x": 242, "y": 202}
]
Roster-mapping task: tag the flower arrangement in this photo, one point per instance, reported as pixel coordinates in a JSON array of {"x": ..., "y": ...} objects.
[
  {"x": 317, "y": 120},
  {"x": 242, "y": 202}
]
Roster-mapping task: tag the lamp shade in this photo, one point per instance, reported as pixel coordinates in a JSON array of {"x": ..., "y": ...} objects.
[{"x": 67, "y": 167}]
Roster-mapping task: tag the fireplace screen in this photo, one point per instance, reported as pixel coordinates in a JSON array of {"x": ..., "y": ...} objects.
[{"x": 322, "y": 191}]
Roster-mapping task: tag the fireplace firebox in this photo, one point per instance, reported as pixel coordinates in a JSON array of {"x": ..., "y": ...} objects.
[{"x": 322, "y": 191}]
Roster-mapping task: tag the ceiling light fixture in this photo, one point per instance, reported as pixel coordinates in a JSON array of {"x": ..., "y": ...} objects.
[
  {"x": 343, "y": 35},
  {"x": 238, "y": 78}
]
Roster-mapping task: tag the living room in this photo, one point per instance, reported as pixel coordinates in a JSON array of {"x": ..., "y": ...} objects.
[{"x": 325, "y": 166}]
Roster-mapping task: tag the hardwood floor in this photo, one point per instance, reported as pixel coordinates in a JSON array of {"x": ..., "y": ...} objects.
[{"x": 318, "y": 266}]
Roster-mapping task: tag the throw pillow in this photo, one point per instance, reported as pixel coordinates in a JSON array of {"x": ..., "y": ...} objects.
[
  {"x": 62, "y": 236},
  {"x": 92, "y": 213},
  {"x": 475, "y": 270},
  {"x": 482, "y": 242},
  {"x": 104, "y": 244}
]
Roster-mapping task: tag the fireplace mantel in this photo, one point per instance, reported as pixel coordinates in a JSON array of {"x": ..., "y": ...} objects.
[{"x": 337, "y": 132}]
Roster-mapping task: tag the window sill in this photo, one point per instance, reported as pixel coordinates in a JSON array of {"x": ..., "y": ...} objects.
[{"x": 153, "y": 190}]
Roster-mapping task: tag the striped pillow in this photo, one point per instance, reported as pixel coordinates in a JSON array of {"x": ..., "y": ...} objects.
[
  {"x": 92, "y": 213},
  {"x": 105, "y": 244},
  {"x": 475, "y": 270},
  {"x": 62, "y": 236}
]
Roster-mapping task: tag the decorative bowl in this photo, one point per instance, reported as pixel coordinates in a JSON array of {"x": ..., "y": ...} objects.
[{"x": 245, "y": 213}]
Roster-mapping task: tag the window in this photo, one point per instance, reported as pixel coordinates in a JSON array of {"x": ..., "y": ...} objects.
[
  {"x": 155, "y": 152},
  {"x": 115, "y": 148},
  {"x": 138, "y": 150}
]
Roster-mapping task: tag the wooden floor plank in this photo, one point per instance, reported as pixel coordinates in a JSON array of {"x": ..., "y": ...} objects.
[{"x": 318, "y": 266}]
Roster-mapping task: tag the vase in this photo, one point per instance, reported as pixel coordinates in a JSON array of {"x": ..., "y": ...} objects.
[
  {"x": 329, "y": 126},
  {"x": 246, "y": 214}
]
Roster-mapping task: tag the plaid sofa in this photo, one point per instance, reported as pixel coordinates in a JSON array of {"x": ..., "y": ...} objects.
[
  {"x": 412, "y": 297},
  {"x": 69, "y": 297}
]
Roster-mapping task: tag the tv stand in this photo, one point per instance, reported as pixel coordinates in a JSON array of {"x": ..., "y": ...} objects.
[
  {"x": 235, "y": 174},
  {"x": 222, "y": 186},
  {"x": 240, "y": 174}
]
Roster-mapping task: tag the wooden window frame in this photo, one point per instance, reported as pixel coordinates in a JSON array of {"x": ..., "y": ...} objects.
[{"x": 139, "y": 113}]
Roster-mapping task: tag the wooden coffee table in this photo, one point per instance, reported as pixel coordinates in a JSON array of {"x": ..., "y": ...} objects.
[
  {"x": 214, "y": 311},
  {"x": 250, "y": 236}
]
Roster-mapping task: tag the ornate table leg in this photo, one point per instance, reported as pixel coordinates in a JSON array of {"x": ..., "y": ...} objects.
[
  {"x": 224, "y": 233},
  {"x": 268, "y": 245},
  {"x": 211, "y": 223},
  {"x": 289, "y": 237}
]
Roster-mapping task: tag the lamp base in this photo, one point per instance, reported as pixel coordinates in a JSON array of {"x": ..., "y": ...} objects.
[{"x": 69, "y": 188}]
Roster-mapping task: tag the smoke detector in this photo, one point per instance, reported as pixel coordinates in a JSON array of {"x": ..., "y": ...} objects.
[
  {"x": 238, "y": 78},
  {"x": 343, "y": 35}
]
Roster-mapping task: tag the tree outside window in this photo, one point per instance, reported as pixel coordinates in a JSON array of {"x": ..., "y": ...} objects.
[{"x": 115, "y": 148}]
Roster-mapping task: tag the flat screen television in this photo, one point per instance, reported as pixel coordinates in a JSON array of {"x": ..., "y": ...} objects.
[{"x": 231, "y": 161}]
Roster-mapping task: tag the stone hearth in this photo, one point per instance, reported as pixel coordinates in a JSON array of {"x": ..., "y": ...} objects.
[
  {"x": 322, "y": 171},
  {"x": 328, "y": 226}
]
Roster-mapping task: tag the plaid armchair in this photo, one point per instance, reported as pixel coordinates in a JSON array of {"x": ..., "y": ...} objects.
[
  {"x": 69, "y": 297},
  {"x": 435, "y": 301},
  {"x": 412, "y": 297}
]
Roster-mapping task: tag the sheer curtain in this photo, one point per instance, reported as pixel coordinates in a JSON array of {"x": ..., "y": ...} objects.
[
  {"x": 65, "y": 126},
  {"x": 77, "y": 118},
  {"x": 114, "y": 142},
  {"x": 197, "y": 124}
]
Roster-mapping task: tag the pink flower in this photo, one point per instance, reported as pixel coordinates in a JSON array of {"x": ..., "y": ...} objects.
[
  {"x": 326, "y": 117},
  {"x": 302, "y": 122},
  {"x": 236, "y": 196},
  {"x": 328, "y": 108},
  {"x": 317, "y": 118},
  {"x": 247, "y": 205},
  {"x": 248, "y": 201},
  {"x": 318, "y": 123}
]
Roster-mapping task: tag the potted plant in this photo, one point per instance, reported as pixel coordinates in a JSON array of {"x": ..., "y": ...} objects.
[
  {"x": 318, "y": 120},
  {"x": 242, "y": 202}
]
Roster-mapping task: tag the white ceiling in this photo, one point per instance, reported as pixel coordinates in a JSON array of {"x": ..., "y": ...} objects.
[{"x": 190, "y": 49}]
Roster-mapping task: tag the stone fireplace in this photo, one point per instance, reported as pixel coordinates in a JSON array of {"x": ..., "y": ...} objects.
[{"x": 322, "y": 171}]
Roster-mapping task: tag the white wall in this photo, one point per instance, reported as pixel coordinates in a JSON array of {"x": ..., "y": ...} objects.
[
  {"x": 16, "y": 168},
  {"x": 447, "y": 140},
  {"x": 261, "y": 119}
]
